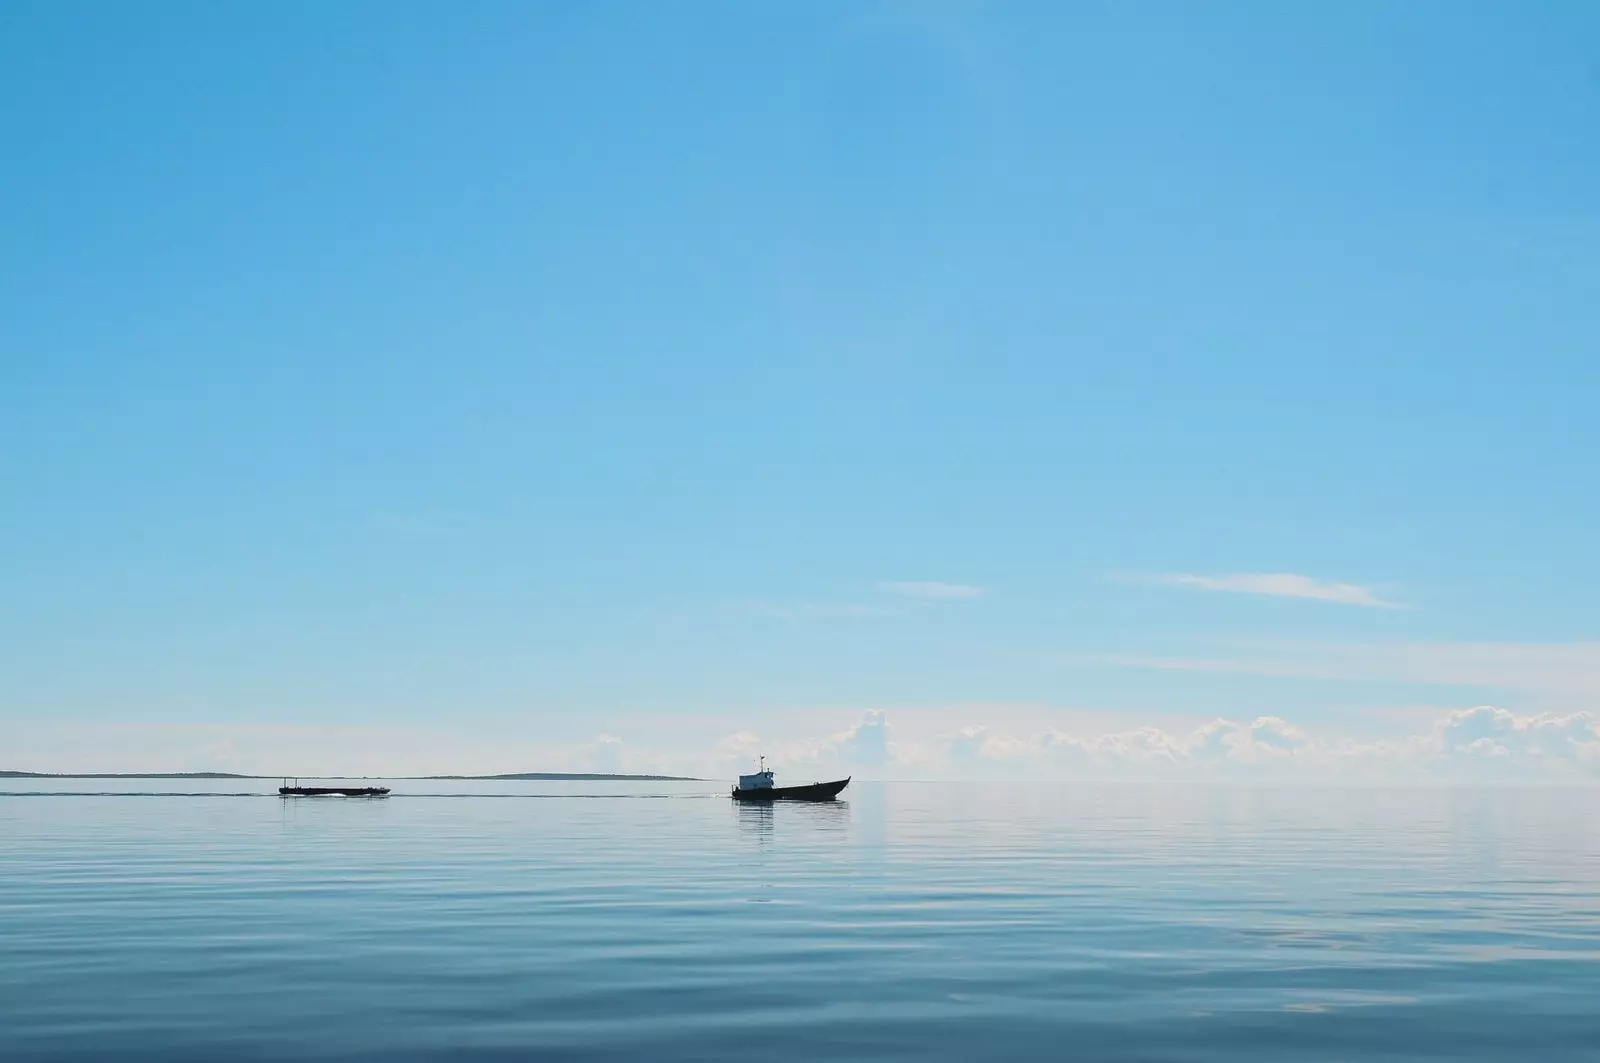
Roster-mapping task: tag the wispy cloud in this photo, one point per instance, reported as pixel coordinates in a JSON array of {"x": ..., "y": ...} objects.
[
  {"x": 1282, "y": 585},
  {"x": 1569, "y": 669},
  {"x": 931, "y": 589}
]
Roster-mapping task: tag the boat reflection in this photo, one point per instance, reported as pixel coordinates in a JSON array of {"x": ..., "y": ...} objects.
[{"x": 760, "y": 819}]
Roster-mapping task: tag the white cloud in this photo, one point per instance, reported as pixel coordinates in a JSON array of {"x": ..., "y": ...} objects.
[
  {"x": 1569, "y": 669},
  {"x": 1486, "y": 730},
  {"x": 932, "y": 589},
  {"x": 1142, "y": 745},
  {"x": 1461, "y": 744},
  {"x": 1054, "y": 748},
  {"x": 1478, "y": 743},
  {"x": 972, "y": 742},
  {"x": 1274, "y": 733},
  {"x": 1282, "y": 585},
  {"x": 1268, "y": 739},
  {"x": 606, "y": 755},
  {"x": 867, "y": 742}
]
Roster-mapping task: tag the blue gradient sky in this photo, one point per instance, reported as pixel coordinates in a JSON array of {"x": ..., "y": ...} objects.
[{"x": 515, "y": 374}]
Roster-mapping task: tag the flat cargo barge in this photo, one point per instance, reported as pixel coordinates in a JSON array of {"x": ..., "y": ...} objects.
[{"x": 333, "y": 791}]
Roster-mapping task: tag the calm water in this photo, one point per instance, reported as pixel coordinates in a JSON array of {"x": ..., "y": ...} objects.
[{"x": 632, "y": 921}]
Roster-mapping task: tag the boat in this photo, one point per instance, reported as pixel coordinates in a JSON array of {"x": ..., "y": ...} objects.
[
  {"x": 330, "y": 791},
  {"x": 758, "y": 787}
]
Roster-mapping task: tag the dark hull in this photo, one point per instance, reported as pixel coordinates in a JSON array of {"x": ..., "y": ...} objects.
[
  {"x": 817, "y": 791},
  {"x": 332, "y": 791}
]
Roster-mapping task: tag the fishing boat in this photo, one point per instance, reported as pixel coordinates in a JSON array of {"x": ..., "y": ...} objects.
[
  {"x": 758, "y": 787},
  {"x": 330, "y": 791}
]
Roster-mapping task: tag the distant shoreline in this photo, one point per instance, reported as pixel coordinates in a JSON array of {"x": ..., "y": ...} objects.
[
  {"x": 526, "y": 776},
  {"x": 534, "y": 776}
]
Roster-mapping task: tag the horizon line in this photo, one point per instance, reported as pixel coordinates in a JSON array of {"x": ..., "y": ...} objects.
[{"x": 506, "y": 776}]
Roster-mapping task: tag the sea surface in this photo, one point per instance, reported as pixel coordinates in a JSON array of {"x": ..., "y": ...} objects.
[{"x": 182, "y": 920}]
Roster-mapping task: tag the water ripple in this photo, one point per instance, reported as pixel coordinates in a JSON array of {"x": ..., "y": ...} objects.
[{"x": 912, "y": 922}]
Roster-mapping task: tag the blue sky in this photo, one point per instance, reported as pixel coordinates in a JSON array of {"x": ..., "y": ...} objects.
[{"x": 386, "y": 382}]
